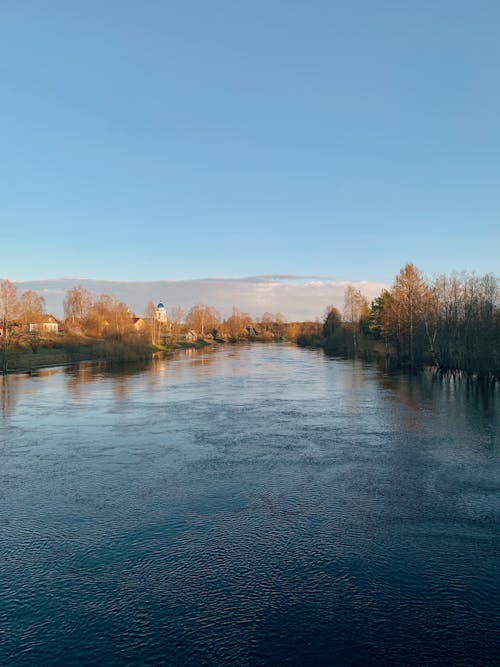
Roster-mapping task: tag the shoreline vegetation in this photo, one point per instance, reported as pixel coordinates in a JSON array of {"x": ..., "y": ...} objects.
[
  {"x": 26, "y": 360},
  {"x": 451, "y": 323},
  {"x": 101, "y": 328}
]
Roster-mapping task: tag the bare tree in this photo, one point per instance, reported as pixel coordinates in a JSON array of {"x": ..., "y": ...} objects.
[
  {"x": 266, "y": 322},
  {"x": 77, "y": 305},
  {"x": 153, "y": 323},
  {"x": 176, "y": 315},
  {"x": 8, "y": 311},
  {"x": 467, "y": 322},
  {"x": 237, "y": 324},
  {"x": 120, "y": 320},
  {"x": 31, "y": 307},
  {"x": 405, "y": 317},
  {"x": 203, "y": 319},
  {"x": 279, "y": 322},
  {"x": 355, "y": 308}
]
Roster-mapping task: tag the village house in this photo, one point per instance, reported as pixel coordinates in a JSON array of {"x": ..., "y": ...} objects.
[
  {"x": 48, "y": 324},
  {"x": 157, "y": 324},
  {"x": 252, "y": 332},
  {"x": 139, "y": 323}
]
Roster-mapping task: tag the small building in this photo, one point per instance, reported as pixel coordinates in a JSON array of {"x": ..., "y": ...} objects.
[
  {"x": 161, "y": 313},
  {"x": 191, "y": 336},
  {"x": 139, "y": 323},
  {"x": 48, "y": 324}
]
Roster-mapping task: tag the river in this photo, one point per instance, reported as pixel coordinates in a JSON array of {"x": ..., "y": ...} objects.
[{"x": 251, "y": 505}]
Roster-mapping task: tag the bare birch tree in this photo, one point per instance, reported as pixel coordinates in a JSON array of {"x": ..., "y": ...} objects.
[
  {"x": 8, "y": 311},
  {"x": 31, "y": 307},
  {"x": 355, "y": 308},
  {"x": 203, "y": 319},
  {"x": 77, "y": 305}
]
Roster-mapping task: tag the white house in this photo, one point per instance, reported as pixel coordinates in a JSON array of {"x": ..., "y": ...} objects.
[{"x": 48, "y": 324}]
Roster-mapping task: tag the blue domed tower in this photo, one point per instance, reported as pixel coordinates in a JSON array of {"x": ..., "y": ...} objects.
[{"x": 161, "y": 313}]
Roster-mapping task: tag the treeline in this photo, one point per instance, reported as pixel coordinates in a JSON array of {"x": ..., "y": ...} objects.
[
  {"x": 104, "y": 316},
  {"x": 452, "y": 322},
  {"x": 94, "y": 327},
  {"x": 101, "y": 326},
  {"x": 239, "y": 325}
]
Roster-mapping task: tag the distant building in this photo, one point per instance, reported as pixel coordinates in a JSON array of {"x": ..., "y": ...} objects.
[
  {"x": 191, "y": 336},
  {"x": 161, "y": 313},
  {"x": 139, "y": 323},
  {"x": 48, "y": 324}
]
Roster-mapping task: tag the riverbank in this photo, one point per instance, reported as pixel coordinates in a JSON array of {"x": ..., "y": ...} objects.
[
  {"x": 73, "y": 351},
  {"x": 26, "y": 360},
  {"x": 341, "y": 344}
]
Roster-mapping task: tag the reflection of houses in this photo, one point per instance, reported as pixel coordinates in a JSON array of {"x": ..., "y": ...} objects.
[{"x": 48, "y": 324}]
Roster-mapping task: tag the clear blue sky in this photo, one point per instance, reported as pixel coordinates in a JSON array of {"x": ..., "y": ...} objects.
[{"x": 166, "y": 140}]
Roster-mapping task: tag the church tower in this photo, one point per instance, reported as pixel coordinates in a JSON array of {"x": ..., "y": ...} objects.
[{"x": 161, "y": 313}]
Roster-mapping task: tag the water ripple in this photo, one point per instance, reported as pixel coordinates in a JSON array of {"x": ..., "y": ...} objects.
[{"x": 270, "y": 507}]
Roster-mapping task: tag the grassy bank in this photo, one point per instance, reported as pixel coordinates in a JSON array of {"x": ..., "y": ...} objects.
[
  {"x": 71, "y": 351},
  {"x": 26, "y": 360},
  {"x": 196, "y": 345},
  {"x": 18, "y": 360}
]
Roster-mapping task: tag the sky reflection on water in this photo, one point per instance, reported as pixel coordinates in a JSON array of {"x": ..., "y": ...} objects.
[{"x": 249, "y": 505}]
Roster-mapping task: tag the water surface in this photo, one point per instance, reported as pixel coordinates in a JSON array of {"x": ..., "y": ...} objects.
[{"x": 255, "y": 505}]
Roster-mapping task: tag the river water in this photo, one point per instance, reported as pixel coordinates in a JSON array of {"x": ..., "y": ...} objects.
[{"x": 259, "y": 505}]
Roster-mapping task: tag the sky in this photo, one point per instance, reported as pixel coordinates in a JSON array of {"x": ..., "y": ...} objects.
[
  {"x": 298, "y": 298},
  {"x": 153, "y": 141}
]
